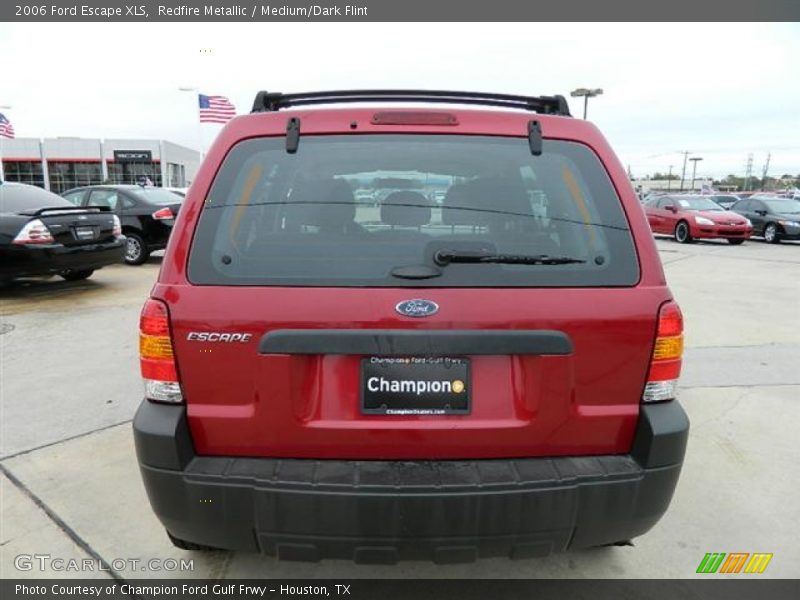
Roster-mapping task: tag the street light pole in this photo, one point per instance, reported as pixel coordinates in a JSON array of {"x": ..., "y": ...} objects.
[
  {"x": 695, "y": 160},
  {"x": 586, "y": 93},
  {"x": 686, "y": 154},
  {"x": 669, "y": 179}
]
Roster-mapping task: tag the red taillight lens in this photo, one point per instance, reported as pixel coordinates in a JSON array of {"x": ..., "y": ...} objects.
[
  {"x": 34, "y": 232},
  {"x": 156, "y": 359},
  {"x": 163, "y": 214},
  {"x": 665, "y": 363}
]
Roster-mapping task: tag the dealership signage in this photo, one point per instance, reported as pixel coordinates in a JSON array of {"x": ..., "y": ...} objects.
[{"x": 133, "y": 156}]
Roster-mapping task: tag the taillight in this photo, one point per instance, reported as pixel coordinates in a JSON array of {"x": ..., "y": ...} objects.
[
  {"x": 163, "y": 214},
  {"x": 117, "y": 231},
  {"x": 34, "y": 232},
  {"x": 665, "y": 364},
  {"x": 156, "y": 358}
]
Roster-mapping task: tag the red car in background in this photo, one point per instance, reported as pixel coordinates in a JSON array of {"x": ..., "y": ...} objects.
[{"x": 688, "y": 218}]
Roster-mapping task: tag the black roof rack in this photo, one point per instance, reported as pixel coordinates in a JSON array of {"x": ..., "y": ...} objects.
[{"x": 550, "y": 105}]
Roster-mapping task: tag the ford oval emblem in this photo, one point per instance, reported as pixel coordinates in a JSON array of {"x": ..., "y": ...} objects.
[{"x": 417, "y": 308}]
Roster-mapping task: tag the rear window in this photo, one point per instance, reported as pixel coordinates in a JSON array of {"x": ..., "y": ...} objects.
[
  {"x": 350, "y": 210},
  {"x": 18, "y": 198}
]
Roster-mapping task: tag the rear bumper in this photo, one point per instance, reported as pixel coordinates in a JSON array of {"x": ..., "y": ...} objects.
[
  {"x": 385, "y": 511},
  {"x": 30, "y": 261}
]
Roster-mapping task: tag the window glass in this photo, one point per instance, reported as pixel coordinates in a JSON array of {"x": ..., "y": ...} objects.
[
  {"x": 65, "y": 175},
  {"x": 74, "y": 197},
  {"x": 351, "y": 210},
  {"x": 24, "y": 171},
  {"x": 15, "y": 197},
  {"x": 783, "y": 205},
  {"x": 107, "y": 198}
]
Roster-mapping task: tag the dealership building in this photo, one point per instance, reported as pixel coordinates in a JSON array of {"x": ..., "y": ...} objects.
[{"x": 58, "y": 164}]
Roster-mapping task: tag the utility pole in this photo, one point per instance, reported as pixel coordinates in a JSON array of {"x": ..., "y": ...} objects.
[
  {"x": 748, "y": 172},
  {"x": 765, "y": 171},
  {"x": 695, "y": 160},
  {"x": 686, "y": 154}
]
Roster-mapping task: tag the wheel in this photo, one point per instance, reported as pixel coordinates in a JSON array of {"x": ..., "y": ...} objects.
[
  {"x": 77, "y": 275},
  {"x": 771, "y": 233},
  {"x": 682, "y": 233},
  {"x": 734, "y": 242},
  {"x": 136, "y": 251},
  {"x": 184, "y": 545}
]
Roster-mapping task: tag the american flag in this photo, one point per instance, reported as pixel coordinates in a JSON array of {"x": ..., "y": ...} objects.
[
  {"x": 6, "y": 128},
  {"x": 215, "y": 109}
]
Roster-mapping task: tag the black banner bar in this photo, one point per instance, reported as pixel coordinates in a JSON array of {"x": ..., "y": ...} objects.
[
  {"x": 405, "y": 10},
  {"x": 745, "y": 587}
]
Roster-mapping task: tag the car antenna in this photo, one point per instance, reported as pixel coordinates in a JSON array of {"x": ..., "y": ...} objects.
[
  {"x": 535, "y": 137},
  {"x": 292, "y": 135}
]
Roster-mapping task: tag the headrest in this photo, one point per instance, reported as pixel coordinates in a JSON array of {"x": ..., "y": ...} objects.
[
  {"x": 457, "y": 205},
  {"x": 406, "y": 209},
  {"x": 322, "y": 203},
  {"x": 485, "y": 202}
]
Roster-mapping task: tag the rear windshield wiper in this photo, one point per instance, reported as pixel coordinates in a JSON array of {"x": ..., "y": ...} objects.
[{"x": 445, "y": 257}]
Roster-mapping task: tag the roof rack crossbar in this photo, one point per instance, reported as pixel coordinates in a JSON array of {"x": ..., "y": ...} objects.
[{"x": 552, "y": 105}]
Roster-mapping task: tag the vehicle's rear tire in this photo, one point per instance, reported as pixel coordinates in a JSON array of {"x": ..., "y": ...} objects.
[
  {"x": 771, "y": 234},
  {"x": 77, "y": 275},
  {"x": 184, "y": 545},
  {"x": 136, "y": 251},
  {"x": 682, "y": 233},
  {"x": 734, "y": 242}
]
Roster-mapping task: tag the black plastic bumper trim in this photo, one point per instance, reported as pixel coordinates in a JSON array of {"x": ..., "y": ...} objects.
[
  {"x": 377, "y": 511},
  {"x": 393, "y": 342}
]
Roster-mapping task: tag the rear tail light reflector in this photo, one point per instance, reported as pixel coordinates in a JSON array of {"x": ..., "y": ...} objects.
[
  {"x": 156, "y": 358},
  {"x": 34, "y": 232},
  {"x": 163, "y": 214},
  {"x": 117, "y": 231},
  {"x": 665, "y": 363}
]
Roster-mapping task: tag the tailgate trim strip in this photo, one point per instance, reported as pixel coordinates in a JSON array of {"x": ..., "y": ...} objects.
[{"x": 414, "y": 342}]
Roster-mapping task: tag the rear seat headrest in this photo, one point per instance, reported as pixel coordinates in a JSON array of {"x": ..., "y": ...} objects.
[
  {"x": 406, "y": 209},
  {"x": 326, "y": 204},
  {"x": 484, "y": 202}
]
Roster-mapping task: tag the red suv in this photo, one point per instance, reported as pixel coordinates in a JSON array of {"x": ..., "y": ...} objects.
[{"x": 331, "y": 375}]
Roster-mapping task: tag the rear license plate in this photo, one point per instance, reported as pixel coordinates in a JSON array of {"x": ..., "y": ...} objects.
[
  {"x": 84, "y": 233},
  {"x": 415, "y": 386}
]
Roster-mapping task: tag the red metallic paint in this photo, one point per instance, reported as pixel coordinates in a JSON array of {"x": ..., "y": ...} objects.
[
  {"x": 727, "y": 224},
  {"x": 244, "y": 404}
]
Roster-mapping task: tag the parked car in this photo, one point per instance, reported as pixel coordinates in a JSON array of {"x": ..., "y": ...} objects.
[
  {"x": 774, "y": 219},
  {"x": 147, "y": 214},
  {"x": 688, "y": 217},
  {"x": 324, "y": 380},
  {"x": 180, "y": 191},
  {"x": 725, "y": 200},
  {"x": 43, "y": 234}
]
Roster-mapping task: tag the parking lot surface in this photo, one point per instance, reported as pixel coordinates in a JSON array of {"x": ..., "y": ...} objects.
[{"x": 69, "y": 386}]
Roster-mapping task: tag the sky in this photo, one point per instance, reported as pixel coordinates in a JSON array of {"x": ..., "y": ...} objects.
[{"x": 719, "y": 91}]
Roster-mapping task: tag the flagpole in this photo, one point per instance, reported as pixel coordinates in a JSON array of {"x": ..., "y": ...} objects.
[
  {"x": 2, "y": 137},
  {"x": 199, "y": 125}
]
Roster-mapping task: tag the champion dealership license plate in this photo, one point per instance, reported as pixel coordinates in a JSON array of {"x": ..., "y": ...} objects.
[
  {"x": 85, "y": 233},
  {"x": 415, "y": 386}
]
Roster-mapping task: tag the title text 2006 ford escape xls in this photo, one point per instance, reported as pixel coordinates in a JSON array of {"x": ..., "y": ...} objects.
[{"x": 410, "y": 333}]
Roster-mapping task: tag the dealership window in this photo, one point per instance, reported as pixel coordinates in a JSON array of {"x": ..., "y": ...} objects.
[
  {"x": 24, "y": 171},
  {"x": 176, "y": 175},
  {"x": 65, "y": 175},
  {"x": 132, "y": 172}
]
